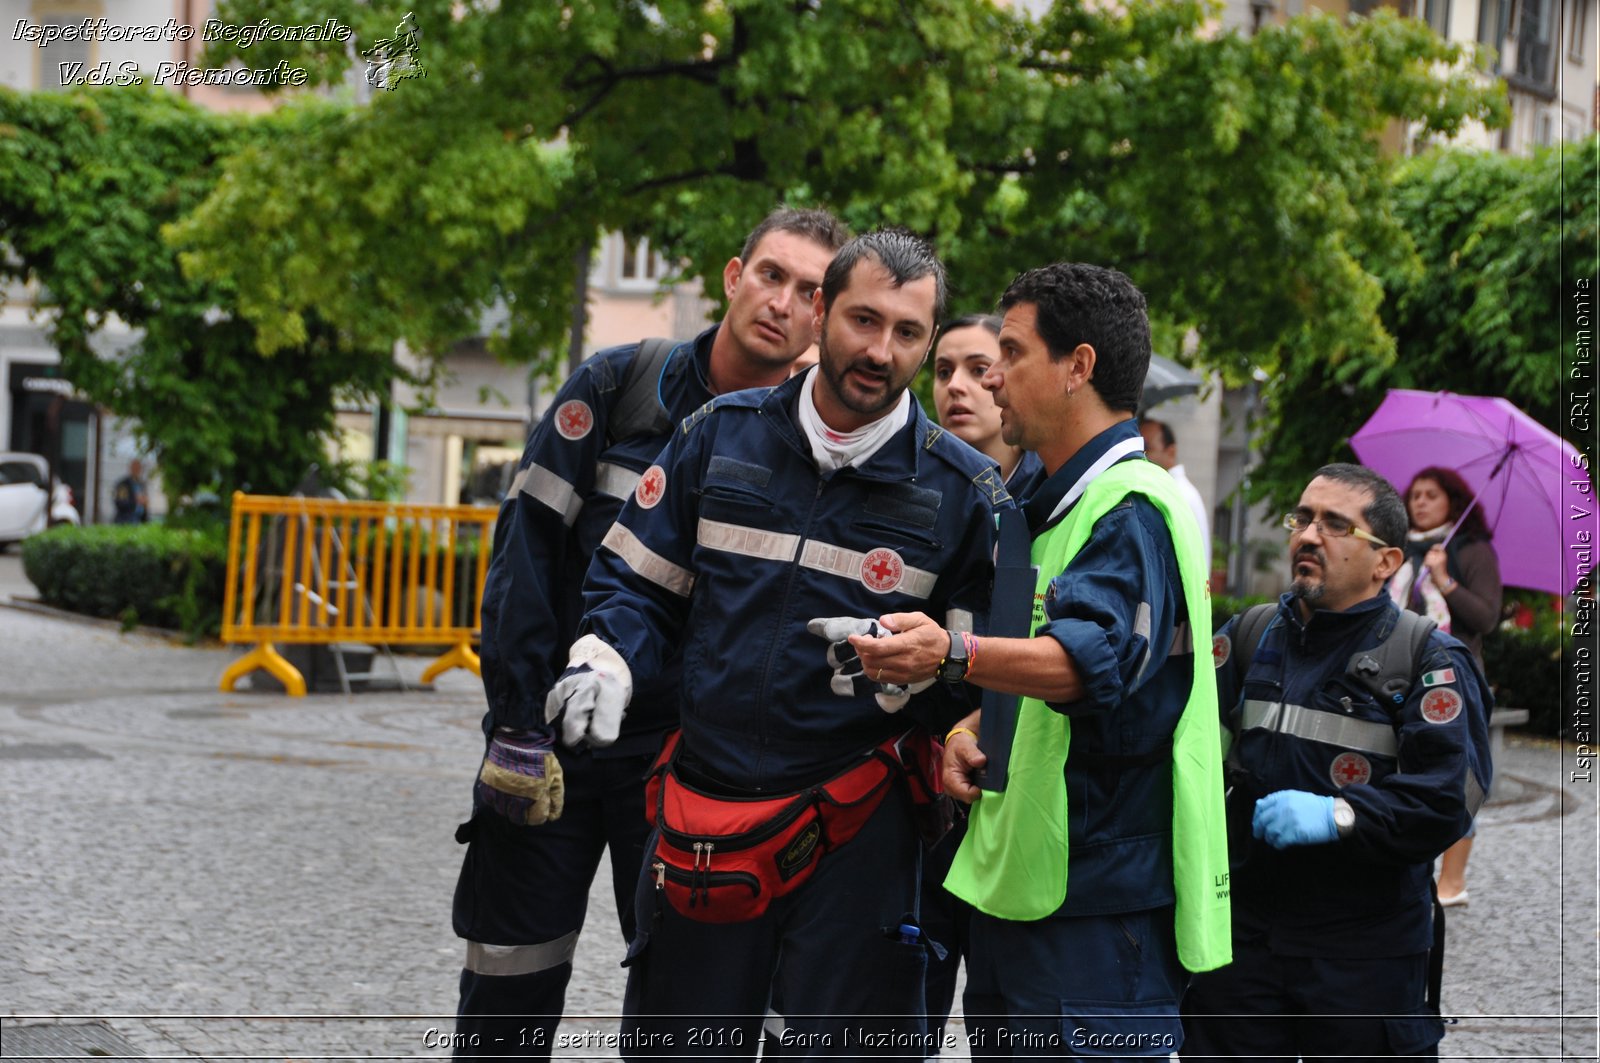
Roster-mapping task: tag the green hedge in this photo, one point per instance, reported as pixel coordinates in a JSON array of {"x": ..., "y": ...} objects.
[
  {"x": 135, "y": 573},
  {"x": 1524, "y": 667}
]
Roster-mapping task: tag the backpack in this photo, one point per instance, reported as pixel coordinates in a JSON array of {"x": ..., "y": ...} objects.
[
  {"x": 1386, "y": 671},
  {"x": 638, "y": 410}
]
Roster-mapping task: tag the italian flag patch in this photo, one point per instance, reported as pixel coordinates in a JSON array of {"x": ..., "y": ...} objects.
[{"x": 1442, "y": 676}]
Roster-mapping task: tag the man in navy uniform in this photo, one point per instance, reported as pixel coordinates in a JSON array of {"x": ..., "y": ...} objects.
[
  {"x": 1342, "y": 796},
  {"x": 543, "y": 814},
  {"x": 812, "y": 507}
]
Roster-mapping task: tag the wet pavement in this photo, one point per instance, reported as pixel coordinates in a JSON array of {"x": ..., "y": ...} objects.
[{"x": 250, "y": 875}]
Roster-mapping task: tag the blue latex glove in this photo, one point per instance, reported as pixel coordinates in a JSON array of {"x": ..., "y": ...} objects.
[{"x": 1294, "y": 817}]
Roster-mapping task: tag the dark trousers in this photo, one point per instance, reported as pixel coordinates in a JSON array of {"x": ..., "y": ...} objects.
[
  {"x": 522, "y": 897},
  {"x": 830, "y": 952},
  {"x": 1064, "y": 987},
  {"x": 1276, "y": 1007},
  {"x": 947, "y": 920}
]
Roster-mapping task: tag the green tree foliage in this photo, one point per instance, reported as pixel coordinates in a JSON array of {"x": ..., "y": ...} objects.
[
  {"x": 1237, "y": 179},
  {"x": 87, "y": 181},
  {"x": 1498, "y": 241}
]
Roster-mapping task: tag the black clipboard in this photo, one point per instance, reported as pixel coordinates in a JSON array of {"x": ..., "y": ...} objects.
[{"x": 1010, "y": 616}]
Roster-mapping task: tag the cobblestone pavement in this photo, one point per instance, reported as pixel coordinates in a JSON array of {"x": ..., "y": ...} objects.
[{"x": 247, "y": 874}]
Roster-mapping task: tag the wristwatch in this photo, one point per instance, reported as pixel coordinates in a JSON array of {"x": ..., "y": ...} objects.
[
  {"x": 953, "y": 669},
  {"x": 1344, "y": 817}
]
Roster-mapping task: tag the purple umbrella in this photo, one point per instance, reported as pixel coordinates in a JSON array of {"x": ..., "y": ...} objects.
[{"x": 1533, "y": 486}]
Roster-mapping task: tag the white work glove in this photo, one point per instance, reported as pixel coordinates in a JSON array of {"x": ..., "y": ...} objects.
[
  {"x": 848, "y": 674},
  {"x": 591, "y": 697}
]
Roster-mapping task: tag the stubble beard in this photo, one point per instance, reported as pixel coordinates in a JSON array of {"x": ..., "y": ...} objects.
[{"x": 836, "y": 382}]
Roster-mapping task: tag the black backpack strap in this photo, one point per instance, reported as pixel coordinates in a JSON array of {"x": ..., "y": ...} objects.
[
  {"x": 1248, "y": 633},
  {"x": 1388, "y": 670},
  {"x": 637, "y": 410}
]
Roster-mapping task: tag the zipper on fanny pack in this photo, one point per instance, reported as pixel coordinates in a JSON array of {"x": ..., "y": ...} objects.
[
  {"x": 703, "y": 881},
  {"x": 748, "y": 838}
]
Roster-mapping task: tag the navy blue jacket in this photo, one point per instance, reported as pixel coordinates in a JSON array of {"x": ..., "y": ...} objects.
[
  {"x": 1026, "y": 478},
  {"x": 1414, "y": 773},
  {"x": 1116, "y": 610},
  {"x": 570, "y": 485},
  {"x": 735, "y": 540}
]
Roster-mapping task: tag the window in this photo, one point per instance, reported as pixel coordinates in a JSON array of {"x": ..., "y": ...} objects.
[
  {"x": 1493, "y": 23},
  {"x": 62, "y": 60},
  {"x": 1578, "y": 31},
  {"x": 627, "y": 261},
  {"x": 1436, "y": 13},
  {"x": 1533, "y": 40}
]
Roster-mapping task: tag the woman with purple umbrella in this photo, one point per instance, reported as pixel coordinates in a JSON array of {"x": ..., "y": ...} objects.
[{"x": 1451, "y": 575}]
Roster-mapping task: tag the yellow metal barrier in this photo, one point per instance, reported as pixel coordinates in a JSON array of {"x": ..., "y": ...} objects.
[{"x": 316, "y": 570}]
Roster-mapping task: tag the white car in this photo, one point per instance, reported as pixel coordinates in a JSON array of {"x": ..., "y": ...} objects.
[{"x": 24, "y": 480}]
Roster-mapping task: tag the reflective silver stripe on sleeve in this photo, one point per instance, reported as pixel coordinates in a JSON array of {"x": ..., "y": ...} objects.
[
  {"x": 1363, "y": 736},
  {"x": 1141, "y": 629},
  {"x": 1182, "y": 640},
  {"x": 1475, "y": 793},
  {"x": 751, "y": 542},
  {"x": 614, "y": 480},
  {"x": 646, "y": 562},
  {"x": 542, "y": 485},
  {"x": 825, "y": 557},
  {"x": 505, "y": 960},
  {"x": 958, "y": 620}
]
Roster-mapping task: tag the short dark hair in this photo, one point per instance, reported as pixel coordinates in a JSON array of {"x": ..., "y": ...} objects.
[
  {"x": 905, "y": 255},
  {"x": 1167, "y": 438},
  {"x": 1460, "y": 495},
  {"x": 1079, "y": 303},
  {"x": 817, "y": 226},
  {"x": 1386, "y": 512},
  {"x": 991, "y": 322}
]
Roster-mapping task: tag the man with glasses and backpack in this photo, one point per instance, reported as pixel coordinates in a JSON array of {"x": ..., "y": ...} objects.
[{"x": 1359, "y": 753}]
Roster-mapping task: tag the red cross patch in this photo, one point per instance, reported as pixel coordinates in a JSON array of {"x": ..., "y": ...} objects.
[
  {"x": 1350, "y": 769},
  {"x": 652, "y": 485},
  {"x": 1441, "y": 706},
  {"x": 1221, "y": 650},
  {"x": 574, "y": 419},
  {"x": 882, "y": 570}
]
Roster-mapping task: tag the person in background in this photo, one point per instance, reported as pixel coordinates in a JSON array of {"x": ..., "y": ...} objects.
[
  {"x": 131, "y": 496},
  {"x": 1161, "y": 447},
  {"x": 967, "y": 347},
  {"x": 1452, "y": 576}
]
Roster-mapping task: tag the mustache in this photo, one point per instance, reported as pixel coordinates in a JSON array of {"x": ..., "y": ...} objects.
[{"x": 1311, "y": 553}]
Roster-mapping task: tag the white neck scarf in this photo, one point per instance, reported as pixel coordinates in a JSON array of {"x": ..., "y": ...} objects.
[
  {"x": 1414, "y": 581},
  {"x": 834, "y": 450}
]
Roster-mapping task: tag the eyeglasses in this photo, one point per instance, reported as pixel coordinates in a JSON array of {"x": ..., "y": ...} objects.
[{"x": 1332, "y": 526}]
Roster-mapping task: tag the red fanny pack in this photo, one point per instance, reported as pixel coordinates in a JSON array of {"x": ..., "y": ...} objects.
[{"x": 724, "y": 859}]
